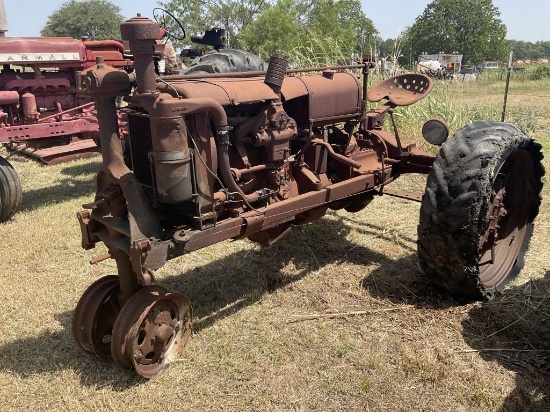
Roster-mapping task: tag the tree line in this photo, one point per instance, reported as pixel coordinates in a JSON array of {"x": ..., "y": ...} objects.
[
  {"x": 524, "y": 50},
  {"x": 319, "y": 29}
]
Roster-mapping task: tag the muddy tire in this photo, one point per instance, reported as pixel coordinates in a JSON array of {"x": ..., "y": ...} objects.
[
  {"x": 477, "y": 212},
  {"x": 10, "y": 190}
]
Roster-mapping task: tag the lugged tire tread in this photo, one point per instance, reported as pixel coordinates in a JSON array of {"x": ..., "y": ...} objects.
[
  {"x": 454, "y": 207},
  {"x": 10, "y": 190}
]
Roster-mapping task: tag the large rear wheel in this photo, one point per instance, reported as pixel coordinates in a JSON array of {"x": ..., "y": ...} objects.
[{"x": 476, "y": 217}]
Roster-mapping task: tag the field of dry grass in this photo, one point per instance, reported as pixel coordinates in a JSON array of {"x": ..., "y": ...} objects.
[{"x": 337, "y": 318}]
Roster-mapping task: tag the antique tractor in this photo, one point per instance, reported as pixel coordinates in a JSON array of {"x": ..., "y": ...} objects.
[{"x": 247, "y": 155}]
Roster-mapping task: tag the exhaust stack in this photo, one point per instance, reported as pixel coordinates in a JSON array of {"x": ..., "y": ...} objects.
[{"x": 3, "y": 20}]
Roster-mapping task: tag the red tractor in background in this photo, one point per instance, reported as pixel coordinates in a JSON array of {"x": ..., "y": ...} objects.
[
  {"x": 39, "y": 108},
  {"x": 40, "y": 112}
]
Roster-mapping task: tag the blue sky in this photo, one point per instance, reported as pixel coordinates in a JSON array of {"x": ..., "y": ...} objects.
[{"x": 526, "y": 20}]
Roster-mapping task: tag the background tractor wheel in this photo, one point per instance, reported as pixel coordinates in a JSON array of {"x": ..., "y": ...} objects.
[
  {"x": 226, "y": 61},
  {"x": 10, "y": 190}
]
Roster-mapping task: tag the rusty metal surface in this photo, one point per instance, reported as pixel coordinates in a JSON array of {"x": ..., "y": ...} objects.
[
  {"x": 152, "y": 329},
  {"x": 225, "y": 91},
  {"x": 503, "y": 238},
  {"x": 402, "y": 90},
  {"x": 76, "y": 149},
  {"x": 402, "y": 194},
  {"x": 41, "y": 131},
  {"x": 33, "y": 50},
  {"x": 330, "y": 95},
  {"x": 142, "y": 33},
  {"x": 94, "y": 316},
  {"x": 8, "y": 97},
  {"x": 111, "y": 51},
  {"x": 61, "y": 52}
]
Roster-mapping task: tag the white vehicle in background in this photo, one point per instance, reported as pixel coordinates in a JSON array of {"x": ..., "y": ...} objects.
[
  {"x": 442, "y": 65},
  {"x": 488, "y": 65}
]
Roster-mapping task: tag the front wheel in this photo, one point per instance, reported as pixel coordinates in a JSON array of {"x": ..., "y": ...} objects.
[
  {"x": 151, "y": 330},
  {"x": 476, "y": 217}
]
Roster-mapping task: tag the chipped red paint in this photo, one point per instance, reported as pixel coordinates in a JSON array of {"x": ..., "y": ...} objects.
[{"x": 48, "y": 120}]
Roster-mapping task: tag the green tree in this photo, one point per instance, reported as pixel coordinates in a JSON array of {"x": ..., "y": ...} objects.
[
  {"x": 196, "y": 16},
  {"x": 342, "y": 20},
  {"x": 531, "y": 51},
  {"x": 316, "y": 29},
  {"x": 97, "y": 19},
  {"x": 470, "y": 27},
  {"x": 388, "y": 48},
  {"x": 276, "y": 31},
  {"x": 520, "y": 49}
]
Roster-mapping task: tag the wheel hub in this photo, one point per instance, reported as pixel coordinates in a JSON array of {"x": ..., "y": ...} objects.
[
  {"x": 151, "y": 330},
  {"x": 508, "y": 214}
]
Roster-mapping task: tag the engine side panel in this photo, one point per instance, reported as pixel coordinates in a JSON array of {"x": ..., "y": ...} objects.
[
  {"x": 329, "y": 96},
  {"x": 225, "y": 91}
]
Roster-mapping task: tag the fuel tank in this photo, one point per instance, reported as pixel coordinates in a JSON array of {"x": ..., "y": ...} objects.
[{"x": 322, "y": 99}]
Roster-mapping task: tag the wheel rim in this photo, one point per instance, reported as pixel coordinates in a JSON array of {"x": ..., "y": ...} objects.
[
  {"x": 152, "y": 330},
  {"x": 95, "y": 315},
  {"x": 510, "y": 205}
]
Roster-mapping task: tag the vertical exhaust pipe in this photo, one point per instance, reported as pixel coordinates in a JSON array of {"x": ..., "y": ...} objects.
[{"x": 3, "y": 20}]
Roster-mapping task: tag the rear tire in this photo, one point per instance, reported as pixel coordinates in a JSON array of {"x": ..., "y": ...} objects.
[
  {"x": 226, "y": 61},
  {"x": 10, "y": 190},
  {"x": 477, "y": 213}
]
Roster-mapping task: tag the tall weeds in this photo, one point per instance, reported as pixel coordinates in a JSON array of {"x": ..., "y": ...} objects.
[
  {"x": 318, "y": 51},
  {"x": 456, "y": 102}
]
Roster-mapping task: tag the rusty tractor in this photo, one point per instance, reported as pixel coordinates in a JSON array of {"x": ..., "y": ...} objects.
[{"x": 248, "y": 155}]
